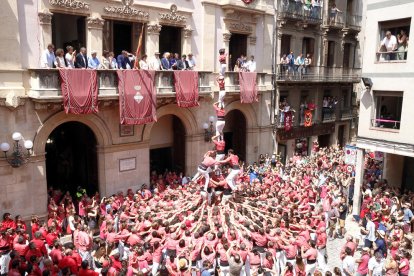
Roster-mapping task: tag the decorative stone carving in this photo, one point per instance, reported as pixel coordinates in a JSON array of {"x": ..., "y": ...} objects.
[
  {"x": 154, "y": 29},
  {"x": 70, "y": 4},
  {"x": 95, "y": 22},
  {"x": 187, "y": 31},
  {"x": 45, "y": 17},
  {"x": 47, "y": 106},
  {"x": 126, "y": 10},
  {"x": 240, "y": 27},
  {"x": 172, "y": 16},
  {"x": 12, "y": 101},
  {"x": 281, "y": 23},
  {"x": 226, "y": 37},
  {"x": 252, "y": 40}
]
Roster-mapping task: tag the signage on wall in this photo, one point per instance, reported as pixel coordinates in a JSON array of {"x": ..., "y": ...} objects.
[{"x": 350, "y": 155}]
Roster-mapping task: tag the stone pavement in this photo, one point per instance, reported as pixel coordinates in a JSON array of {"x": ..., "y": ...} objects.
[{"x": 334, "y": 247}]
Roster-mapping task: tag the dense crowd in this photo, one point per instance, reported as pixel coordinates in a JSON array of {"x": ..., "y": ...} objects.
[{"x": 276, "y": 222}]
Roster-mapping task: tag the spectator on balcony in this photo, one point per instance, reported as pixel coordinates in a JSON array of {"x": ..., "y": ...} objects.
[
  {"x": 291, "y": 62},
  {"x": 240, "y": 65},
  {"x": 105, "y": 62},
  {"x": 182, "y": 64},
  {"x": 60, "y": 59},
  {"x": 299, "y": 65},
  {"x": 70, "y": 57},
  {"x": 112, "y": 61},
  {"x": 173, "y": 61},
  {"x": 316, "y": 8},
  {"x": 298, "y": 7},
  {"x": 223, "y": 61},
  {"x": 93, "y": 61},
  {"x": 284, "y": 66},
  {"x": 333, "y": 13},
  {"x": 48, "y": 57},
  {"x": 191, "y": 62},
  {"x": 251, "y": 64},
  {"x": 123, "y": 60},
  {"x": 389, "y": 45},
  {"x": 308, "y": 63},
  {"x": 143, "y": 64},
  {"x": 155, "y": 62},
  {"x": 81, "y": 60},
  {"x": 402, "y": 40},
  {"x": 165, "y": 61}
]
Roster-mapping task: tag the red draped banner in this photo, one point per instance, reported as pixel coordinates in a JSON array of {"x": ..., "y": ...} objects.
[
  {"x": 186, "y": 88},
  {"x": 79, "y": 90},
  {"x": 137, "y": 97},
  {"x": 288, "y": 120},
  {"x": 248, "y": 87},
  {"x": 308, "y": 118}
]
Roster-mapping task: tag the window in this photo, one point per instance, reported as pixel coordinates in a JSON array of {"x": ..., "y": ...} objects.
[
  {"x": 331, "y": 53},
  {"x": 393, "y": 40},
  {"x": 328, "y": 106},
  {"x": 284, "y": 106},
  {"x": 388, "y": 107}
]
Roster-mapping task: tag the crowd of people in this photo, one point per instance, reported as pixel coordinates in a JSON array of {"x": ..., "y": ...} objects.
[
  {"x": 307, "y": 8},
  {"x": 394, "y": 47},
  {"x": 292, "y": 67},
  {"x": 273, "y": 221}
]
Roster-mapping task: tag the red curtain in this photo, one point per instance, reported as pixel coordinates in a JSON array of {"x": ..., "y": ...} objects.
[
  {"x": 248, "y": 87},
  {"x": 137, "y": 97},
  {"x": 186, "y": 88},
  {"x": 308, "y": 118},
  {"x": 288, "y": 120},
  {"x": 79, "y": 90}
]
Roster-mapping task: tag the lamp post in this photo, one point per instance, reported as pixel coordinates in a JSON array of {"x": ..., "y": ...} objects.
[
  {"x": 17, "y": 157},
  {"x": 208, "y": 129}
]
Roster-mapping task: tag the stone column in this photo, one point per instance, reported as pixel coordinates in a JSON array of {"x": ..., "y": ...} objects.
[
  {"x": 226, "y": 46},
  {"x": 153, "y": 39},
  {"x": 324, "y": 50},
  {"x": 359, "y": 178},
  {"x": 94, "y": 34},
  {"x": 251, "y": 46},
  {"x": 186, "y": 41},
  {"x": 45, "y": 21}
]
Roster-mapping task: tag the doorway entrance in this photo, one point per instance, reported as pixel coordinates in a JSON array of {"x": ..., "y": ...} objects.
[
  {"x": 63, "y": 36},
  {"x": 170, "y": 40},
  {"x": 341, "y": 135},
  {"x": 122, "y": 35},
  {"x": 324, "y": 140},
  {"x": 235, "y": 133},
  {"x": 167, "y": 145},
  {"x": 237, "y": 47},
  {"x": 71, "y": 158}
]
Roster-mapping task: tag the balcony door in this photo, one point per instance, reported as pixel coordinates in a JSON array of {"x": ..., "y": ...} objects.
[
  {"x": 237, "y": 47},
  {"x": 63, "y": 36},
  {"x": 285, "y": 45},
  {"x": 308, "y": 46},
  {"x": 347, "y": 56},
  {"x": 170, "y": 40},
  {"x": 331, "y": 54}
]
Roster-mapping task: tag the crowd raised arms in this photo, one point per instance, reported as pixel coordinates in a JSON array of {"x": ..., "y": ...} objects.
[{"x": 276, "y": 221}]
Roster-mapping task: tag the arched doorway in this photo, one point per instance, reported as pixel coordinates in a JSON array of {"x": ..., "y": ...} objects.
[
  {"x": 235, "y": 132},
  {"x": 71, "y": 158},
  {"x": 167, "y": 145}
]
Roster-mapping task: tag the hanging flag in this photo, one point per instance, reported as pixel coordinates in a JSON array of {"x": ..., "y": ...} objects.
[
  {"x": 139, "y": 47},
  {"x": 308, "y": 118},
  {"x": 248, "y": 87},
  {"x": 79, "y": 91},
  {"x": 186, "y": 88},
  {"x": 137, "y": 97},
  {"x": 288, "y": 120}
]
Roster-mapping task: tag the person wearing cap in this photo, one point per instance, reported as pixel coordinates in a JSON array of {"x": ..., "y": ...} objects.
[
  {"x": 191, "y": 61},
  {"x": 362, "y": 262},
  {"x": 380, "y": 245},
  {"x": 155, "y": 62},
  {"x": 93, "y": 61}
]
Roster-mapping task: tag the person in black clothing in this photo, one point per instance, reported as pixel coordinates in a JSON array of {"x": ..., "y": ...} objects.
[
  {"x": 343, "y": 211},
  {"x": 81, "y": 60}
]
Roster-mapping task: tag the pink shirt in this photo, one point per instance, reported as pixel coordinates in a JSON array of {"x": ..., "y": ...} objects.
[
  {"x": 363, "y": 266},
  {"x": 209, "y": 161}
]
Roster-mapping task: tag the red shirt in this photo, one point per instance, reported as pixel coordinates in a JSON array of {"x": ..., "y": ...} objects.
[
  {"x": 69, "y": 261},
  {"x": 87, "y": 272},
  {"x": 220, "y": 145},
  {"x": 220, "y": 112}
]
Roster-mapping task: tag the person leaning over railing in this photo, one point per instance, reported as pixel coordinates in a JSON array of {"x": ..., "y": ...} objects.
[{"x": 388, "y": 45}]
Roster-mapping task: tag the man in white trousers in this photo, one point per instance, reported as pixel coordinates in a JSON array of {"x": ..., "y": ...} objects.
[
  {"x": 205, "y": 168},
  {"x": 233, "y": 161}
]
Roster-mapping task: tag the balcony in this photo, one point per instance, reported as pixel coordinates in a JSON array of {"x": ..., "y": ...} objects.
[
  {"x": 257, "y": 6},
  {"x": 391, "y": 56},
  {"x": 294, "y": 10},
  {"x": 335, "y": 22},
  {"x": 346, "y": 113},
  {"x": 328, "y": 114},
  {"x": 45, "y": 84},
  {"x": 354, "y": 22},
  {"x": 298, "y": 74},
  {"x": 385, "y": 124}
]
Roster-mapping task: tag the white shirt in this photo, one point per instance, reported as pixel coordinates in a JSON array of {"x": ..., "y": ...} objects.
[
  {"x": 155, "y": 63},
  {"x": 4, "y": 263},
  {"x": 349, "y": 264},
  {"x": 191, "y": 63},
  {"x": 375, "y": 266},
  {"x": 143, "y": 65},
  {"x": 390, "y": 44},
  {"x": 69, "y": 60},
  {"x": 48, "y": 59},
  {"x": 371, "y": 231},
  {"x": 251, "y": 66}
]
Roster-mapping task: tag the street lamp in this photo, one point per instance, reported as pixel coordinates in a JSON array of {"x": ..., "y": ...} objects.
[
  {"x": 18, "y": 157},
  {"x": 208, "y": 129}
]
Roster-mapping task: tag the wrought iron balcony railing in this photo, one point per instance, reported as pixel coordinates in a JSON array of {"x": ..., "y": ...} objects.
[
  {"x": 296, "y": 10},
  {"x": 294, "y": 73}
]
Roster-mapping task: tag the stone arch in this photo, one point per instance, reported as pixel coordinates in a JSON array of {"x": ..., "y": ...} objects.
[
  {"x": 94, "y": 122},
  {"x": 184, "y": 114},
  {"x": 247, "y": 111}
]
